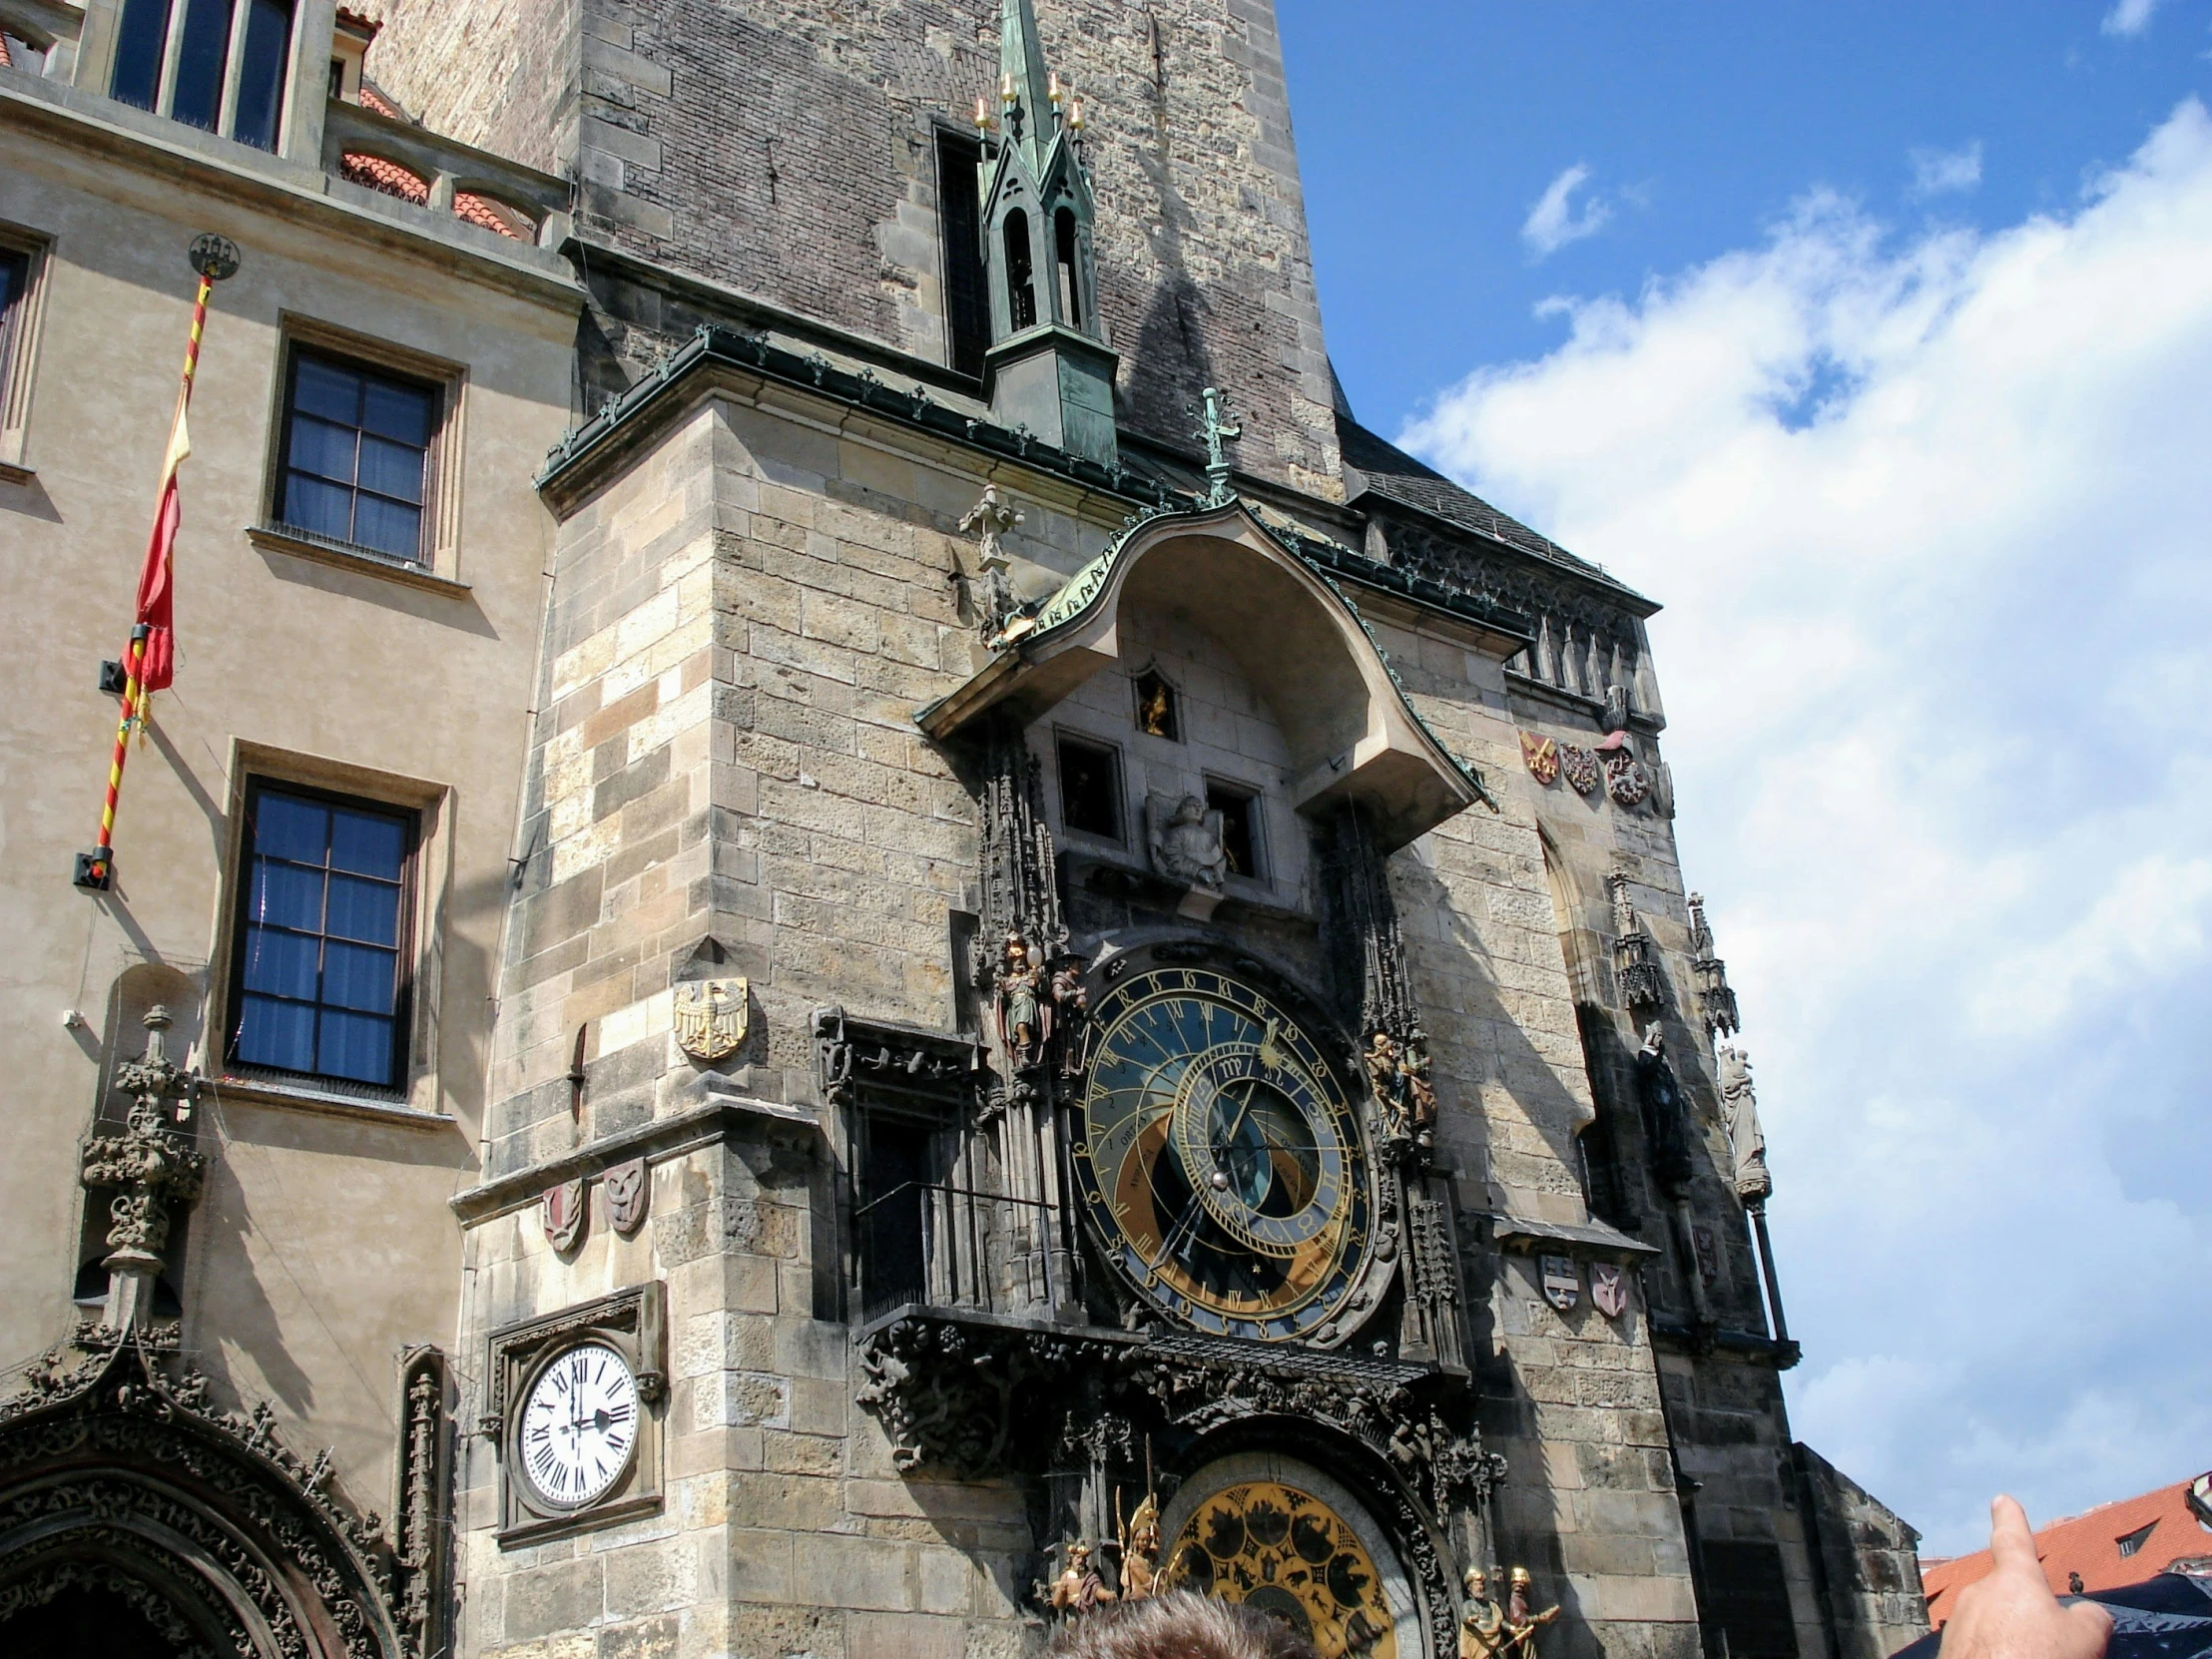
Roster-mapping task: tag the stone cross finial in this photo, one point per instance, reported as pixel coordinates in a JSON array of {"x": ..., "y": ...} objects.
[{"x": 1214, "y": 426}]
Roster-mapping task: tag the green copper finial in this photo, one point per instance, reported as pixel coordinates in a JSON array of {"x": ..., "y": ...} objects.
[
  {"x": 1213, "y": 427},
  {"x": 1026, "y": 93}
]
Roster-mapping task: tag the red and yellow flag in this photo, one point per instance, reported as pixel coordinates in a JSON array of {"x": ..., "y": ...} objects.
[{"x": 157, "y": 590}]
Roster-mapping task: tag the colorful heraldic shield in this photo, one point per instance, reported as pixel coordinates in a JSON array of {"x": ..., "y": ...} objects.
[
  {"x": 1542, "y": 756},
  {"x": 1287, "y": 1553}
]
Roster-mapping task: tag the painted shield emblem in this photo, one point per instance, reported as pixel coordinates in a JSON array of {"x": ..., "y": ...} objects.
[
  {"x": 1562, "y": 1282},
  {"x": 1579, "y": 767},
  {"x": 711, "y": 1017},
  {"x": 1625, "y": 778},
  {"x": 564, "y": 1213},
  {"x": 1609, "y": 1289},
  {"x": 627, "y": 1188},
  {"x": 1542, "y": 756}
]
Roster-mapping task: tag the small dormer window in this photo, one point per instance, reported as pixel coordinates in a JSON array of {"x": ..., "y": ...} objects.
[
  {"x": 1021, "y": 286},
  {"x": 2130, "y": 1542},
  {"x": 178, "y": 58}
]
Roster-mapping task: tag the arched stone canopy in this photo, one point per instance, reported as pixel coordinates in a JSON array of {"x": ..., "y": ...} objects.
[
  {"x": 117, "y": 1480},
  {"x": 1353, "y": 736}
]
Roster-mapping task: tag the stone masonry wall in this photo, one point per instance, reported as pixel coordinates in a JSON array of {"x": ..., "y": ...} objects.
[
  {"x": 789, "y": 150},
  {"x": 743, "y": 623},
  {"x": 1570, "y": 1399},
  {"x": 502, "y": 74}
]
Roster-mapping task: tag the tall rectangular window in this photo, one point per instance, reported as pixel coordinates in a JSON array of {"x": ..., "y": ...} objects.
[
  {"x": 1090, "y": 788},
  {"x": 1239, "y": 827},
  {"x": 207, "y": 75},
  {"x": 967, "y": 305},
  {"x": 357, "y": 455},
  {"x": 320, "y": 972},
  {"x": 15, "y": 285}
]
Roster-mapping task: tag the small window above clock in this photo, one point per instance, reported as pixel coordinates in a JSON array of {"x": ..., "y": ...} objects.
[
  {"x": 1158, "y": 715},
  {"x": 1090, "y": 788},
  {"x": 1239, "y": 827}
]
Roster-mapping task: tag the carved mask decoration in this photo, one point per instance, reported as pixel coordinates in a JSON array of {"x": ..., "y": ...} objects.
[
  {"x": 564, "y": 1213},
  {"x": 1561, "y": 1281},
  {"x": 627, "y": 1187},
  {"x": 712, "y": 1016},
  {"x": 1609, "y": 1289}
]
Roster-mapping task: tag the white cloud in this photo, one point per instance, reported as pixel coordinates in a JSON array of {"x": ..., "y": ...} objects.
[
  {"x": 1928, "y": 516},
  {"x": 1553, "y": 222},
  {"x": 2129, "y": 17},
  {"x": 1941, "y": 171}
]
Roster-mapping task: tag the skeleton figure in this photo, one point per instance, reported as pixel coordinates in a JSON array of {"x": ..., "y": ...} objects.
[
  {"x": 1741, "y": 1102},
  {"x": 1186, "y": 848}
]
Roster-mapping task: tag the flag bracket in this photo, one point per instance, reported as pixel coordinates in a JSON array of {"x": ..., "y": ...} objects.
[
  {"x": 94, "y": 871},
  {"x": 113, "y": 678}
]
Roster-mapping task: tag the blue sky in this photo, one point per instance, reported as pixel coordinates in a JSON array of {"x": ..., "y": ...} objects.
[{"x": 1875, "y": 341}]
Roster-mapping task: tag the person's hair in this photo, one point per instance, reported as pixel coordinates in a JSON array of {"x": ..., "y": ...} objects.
[{"x": 1178, "y": 1625}]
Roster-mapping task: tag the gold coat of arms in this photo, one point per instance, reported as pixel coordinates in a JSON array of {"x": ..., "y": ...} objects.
[{"x": 711, "y": 1017}]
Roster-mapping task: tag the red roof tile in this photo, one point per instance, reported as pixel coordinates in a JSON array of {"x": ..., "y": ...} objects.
[{"x": 2089, "y": 1544}]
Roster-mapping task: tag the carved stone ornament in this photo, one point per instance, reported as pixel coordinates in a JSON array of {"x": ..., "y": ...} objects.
[
  {"x": 628, "y": 1187},
  {"x": 564, "y": 1213},
  {"x": 1542, "y": 757},
  {"x": 1635, "y": 958},
  {"x": 711, "y": 1017},
  {"x": 1562, "y": 1281},
  {"x": 152, "y": 1168},
  {"x": 1609, "y": 1289},
  {"x": 1579, "y": 767},
  {"x": 994, "y": 601},
  {"x": 1625, "y": 778},
  {"x": 1186, "y": 841},
  {"x": 235, "y": 1545}
]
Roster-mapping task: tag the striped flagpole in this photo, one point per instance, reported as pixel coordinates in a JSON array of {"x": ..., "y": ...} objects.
[{"x": 214, "y": 258}]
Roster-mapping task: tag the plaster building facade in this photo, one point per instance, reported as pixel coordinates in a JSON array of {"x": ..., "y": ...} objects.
[{"x": 1007, "y": 960}]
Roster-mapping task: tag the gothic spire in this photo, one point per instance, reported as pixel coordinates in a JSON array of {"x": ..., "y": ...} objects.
[{"x": 1025, "y": 89}]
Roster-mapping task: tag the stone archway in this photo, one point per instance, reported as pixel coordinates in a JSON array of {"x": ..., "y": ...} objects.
[{"x": 125, "y": 1496}]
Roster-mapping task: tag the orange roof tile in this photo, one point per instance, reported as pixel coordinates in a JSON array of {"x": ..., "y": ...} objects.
[{"x": 2089, "y": 1544}]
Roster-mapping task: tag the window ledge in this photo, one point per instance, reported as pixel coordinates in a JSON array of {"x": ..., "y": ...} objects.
[
  {"x": 10, "y": 474},
  {"x": 263, "y": 1091},
  {"x": 273, "y": 538}
]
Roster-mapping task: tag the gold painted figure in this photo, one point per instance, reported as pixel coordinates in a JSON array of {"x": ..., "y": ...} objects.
[
  {"x": 1521, "y": 1624},
  {"x": 1483, "y": 1634},
  {"x": 1140, "y": 1551}
]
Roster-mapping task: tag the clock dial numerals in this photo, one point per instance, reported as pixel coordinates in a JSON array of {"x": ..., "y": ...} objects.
[
  {"x": 1221, "y": 1156},
  {"x": 579, "y": 1425}
]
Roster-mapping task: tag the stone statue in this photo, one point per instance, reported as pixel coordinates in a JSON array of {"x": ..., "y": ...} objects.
[
  {"x": 1186, "y": 845},
  {"x": 1024, "y": 1021},
  {"x": 1414, "y": 1087},
  {"x": 1079, "y": 1590},
  {"x": 1482, "y": 1630},
  {"x": 1616, "y": 708},
  {"x": 1741, "y": 1102},
  {"x": 995, "y": 604},
  {"x": 1521, "y": 1624},
  {"x": 1382, "y": 1060},
  {"x": 1666, "y": 1113},
  {"x": 1070, "y": 1009},
  {"x": 1140, "y": 1551}
]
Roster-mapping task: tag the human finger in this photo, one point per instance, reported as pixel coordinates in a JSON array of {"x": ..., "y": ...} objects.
[{"x": 2011, "y": 1544}]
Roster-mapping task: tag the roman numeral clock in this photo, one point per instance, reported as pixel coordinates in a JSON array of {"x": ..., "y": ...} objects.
[{"x": 1220, "y": 1159}]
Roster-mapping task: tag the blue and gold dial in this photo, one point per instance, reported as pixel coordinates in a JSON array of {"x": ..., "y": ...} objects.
[{"x": 1220, "y": 1157}]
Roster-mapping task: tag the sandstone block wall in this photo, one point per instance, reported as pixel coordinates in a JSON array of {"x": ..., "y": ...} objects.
[{"x": 789, "y": 151}]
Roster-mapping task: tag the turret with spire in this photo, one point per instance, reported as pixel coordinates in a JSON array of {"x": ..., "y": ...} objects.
[{"x": 1049, "y": 369}]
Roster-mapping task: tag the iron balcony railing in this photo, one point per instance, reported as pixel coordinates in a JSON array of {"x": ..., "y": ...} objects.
[{"x": 949, "y": 1247}]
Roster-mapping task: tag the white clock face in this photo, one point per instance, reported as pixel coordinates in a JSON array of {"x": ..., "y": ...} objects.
[{"x": 579, "y": 1425}]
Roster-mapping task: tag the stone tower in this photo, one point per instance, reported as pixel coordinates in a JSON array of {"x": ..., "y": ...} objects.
[{"x": 1097, "y": 955}]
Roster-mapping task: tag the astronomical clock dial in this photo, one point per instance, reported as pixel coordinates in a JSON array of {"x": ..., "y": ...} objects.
[
  {"x": 579, "y": 1426},
  {"x": 1286, "y": 1552},
  {"x": 1221, "y": 1157}
]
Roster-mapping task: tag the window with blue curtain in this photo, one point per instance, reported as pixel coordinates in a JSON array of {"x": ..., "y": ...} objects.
[
  {"x": 142, "y": 39},
  {"x": 320, "y": 970},
  {"x": 358, "y": 455}
]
